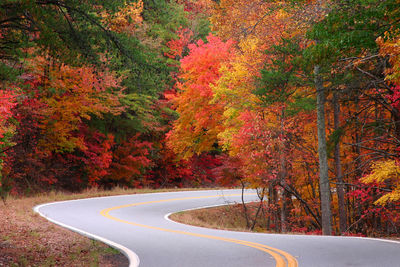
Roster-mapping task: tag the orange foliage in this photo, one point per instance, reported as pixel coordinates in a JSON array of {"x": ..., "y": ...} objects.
[
  {"x": 73, "y": 95},
  {"x": 199, "y": 123}
]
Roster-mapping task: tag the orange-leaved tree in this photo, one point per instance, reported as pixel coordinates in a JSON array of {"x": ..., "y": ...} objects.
[
  {"x": 199, "y": 121},
  {"x": 72, "y": 95}
]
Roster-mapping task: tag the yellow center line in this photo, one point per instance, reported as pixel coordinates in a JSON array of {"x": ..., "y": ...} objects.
[{"x": 274, "y": 252}]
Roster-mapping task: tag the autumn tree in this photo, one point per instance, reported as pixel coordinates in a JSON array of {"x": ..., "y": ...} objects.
[
  {"x": 346, "y": 54},
  {"x": 7, "y": 130},
  {"x": 388, "y": 171},
  {"x": 198, "y": 125}
]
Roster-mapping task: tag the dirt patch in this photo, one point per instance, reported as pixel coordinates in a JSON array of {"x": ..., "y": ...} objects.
[{"x": 117, "y": 260}]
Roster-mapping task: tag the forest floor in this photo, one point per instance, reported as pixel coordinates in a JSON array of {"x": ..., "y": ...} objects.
[{"x": 27, "y": 239}]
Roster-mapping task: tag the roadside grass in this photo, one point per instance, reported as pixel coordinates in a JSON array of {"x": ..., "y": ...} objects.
[
  {"x": 27, "y": 239},
  {"x": 231, "y": 217},
  {"x": 228, "y": 217}
]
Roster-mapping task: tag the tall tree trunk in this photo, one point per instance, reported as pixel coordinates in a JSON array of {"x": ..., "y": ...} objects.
[
  {"x": 276, "y": 216},
  {"x": 338, "y": 167},
  {"x": 284, "y": 212},
  {"x": 325, "y": 191},
  {"x": 358, "y": 172},
  {"x": 283, "y": 173}
]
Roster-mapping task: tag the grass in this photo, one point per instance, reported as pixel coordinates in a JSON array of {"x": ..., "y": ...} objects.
[
  {"x": 231, "y": 217},
  {"x": 27, "y": 239},
  {"x": 228, "y": 217}
]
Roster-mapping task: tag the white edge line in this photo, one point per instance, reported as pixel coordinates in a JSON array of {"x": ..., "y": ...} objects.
[
  {"x": 166, "y": 217},
  {"x": 374, "y": 239},
  {"x": 132, "y": 256}
]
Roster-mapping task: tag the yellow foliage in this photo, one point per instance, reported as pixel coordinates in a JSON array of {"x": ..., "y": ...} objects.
[
  {"x": 391, "y": 47},
  {"x": 126, "y": 19},
  {"x": 239, "y": 19},
  {"x": 381, "y": 172},
  {"x": 235, "y": 88}
]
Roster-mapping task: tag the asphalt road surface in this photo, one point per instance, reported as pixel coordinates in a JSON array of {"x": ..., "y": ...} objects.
[{"x": 138, "y": 225}]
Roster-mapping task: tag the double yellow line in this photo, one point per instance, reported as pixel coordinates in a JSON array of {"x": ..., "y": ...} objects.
[{"x": 282, "y": 258}]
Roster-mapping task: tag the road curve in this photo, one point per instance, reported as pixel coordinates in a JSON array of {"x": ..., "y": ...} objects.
[{"x": 137, "y": 225}]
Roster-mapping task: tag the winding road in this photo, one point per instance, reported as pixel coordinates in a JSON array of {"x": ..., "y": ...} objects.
[{"x": 139, "y": 226}]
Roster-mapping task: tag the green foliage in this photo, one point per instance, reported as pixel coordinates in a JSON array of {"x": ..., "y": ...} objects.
[
  {"x": 70, "y": 31},
  {"x": 146, "y": 70},
  {"x": 203, "y": 29},
  {"x": 139, "y": 113},
  {"x": 7, "y": 73},
  {"x": 334, "y": 139},
  {"x": 165, "y": 17},
  {"x": 349, "y": 28},
  {"x": 280, "y": 77},
  {"x": 301, "y": 104}
]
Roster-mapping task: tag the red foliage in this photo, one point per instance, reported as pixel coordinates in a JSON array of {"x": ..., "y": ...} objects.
[
  {"x": 197, "y": 8},
  {"x": 228, "y": 173},
  {"x": 395, "y": 98},
  {"x": 177, "y": 46},
  {"x": 373, "y": 215},
  {"x": 36, "y": 162},
  {"x": 202, "y": 167},
  {"x": 7, "y": 103},
  {"x": 130, "y": 159},
  {"x": 167, "y": 171},
  {"x": 25, "y": 163},
  {"x": 255, "y": 144},
  {"x": 97, "y": 156}
]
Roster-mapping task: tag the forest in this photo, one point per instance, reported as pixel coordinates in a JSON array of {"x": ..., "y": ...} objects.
[{"x": 297, "y": 99}]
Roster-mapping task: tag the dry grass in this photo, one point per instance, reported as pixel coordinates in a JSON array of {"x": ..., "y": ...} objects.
[
  {"x": 27, "y": 239},
  {"x": 228, "y": 217},
  {"x": 231, "y": 217}
]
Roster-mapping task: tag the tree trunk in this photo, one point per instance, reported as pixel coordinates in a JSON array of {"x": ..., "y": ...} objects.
[
  {"x": 245, "y": 213},
  {"x": 283, "y": 173},
  {"x": 358, "y": 173},
  {"x": 260, "y": 205},
  {"x": 325, "y": 191},
  {"x": 338, "y": 167},
  {"x": 269, "y": 204}
]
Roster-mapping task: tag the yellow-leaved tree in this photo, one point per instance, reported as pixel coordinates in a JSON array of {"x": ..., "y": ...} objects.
[{"x": 385, "y": 172}]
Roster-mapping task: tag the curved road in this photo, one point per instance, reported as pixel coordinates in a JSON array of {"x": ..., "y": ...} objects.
[{"x": 138, "y": 225}]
